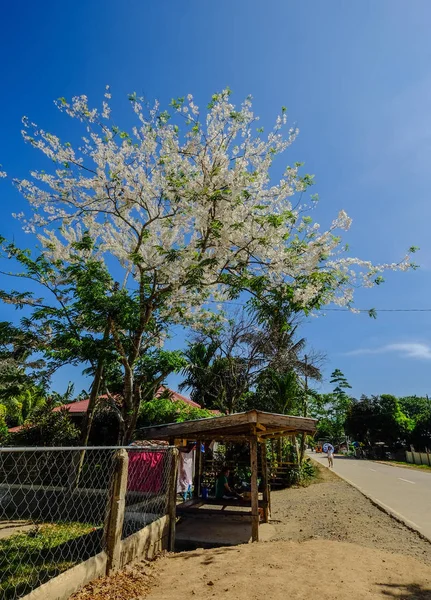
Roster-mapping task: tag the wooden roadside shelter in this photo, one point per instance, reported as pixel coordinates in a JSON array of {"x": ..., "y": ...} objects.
[{"x": 253, "y": 427}]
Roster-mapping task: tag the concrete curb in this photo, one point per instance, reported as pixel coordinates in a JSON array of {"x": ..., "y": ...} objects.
[{"x": 383, "y": 507}]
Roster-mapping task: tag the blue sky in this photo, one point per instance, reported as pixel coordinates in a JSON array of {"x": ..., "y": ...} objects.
[{"x": 355, "y": 78}]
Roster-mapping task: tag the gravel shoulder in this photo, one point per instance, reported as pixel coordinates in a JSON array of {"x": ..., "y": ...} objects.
[
  {"x": 330, "y": 543},
  {"x": 332, "y": 509}
]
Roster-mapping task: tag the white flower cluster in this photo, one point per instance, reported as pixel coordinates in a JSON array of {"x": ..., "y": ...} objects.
[{"x": 187, "y": 204}]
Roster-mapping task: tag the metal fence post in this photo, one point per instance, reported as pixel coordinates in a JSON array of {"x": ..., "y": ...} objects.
[
  {"x": 172, "y": 505},
  {"x": 117, "y": 504}
]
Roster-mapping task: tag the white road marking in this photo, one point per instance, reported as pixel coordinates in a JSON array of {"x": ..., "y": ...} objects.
[
  {"x": 373, "y": 470},
  {"x": 407, "y": 480}
]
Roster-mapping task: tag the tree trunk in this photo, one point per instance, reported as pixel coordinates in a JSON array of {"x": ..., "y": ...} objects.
[
  {"x": 94, "y": 394},
  {"x": 305, "y": 412},
  {"x": 127, "y": 408},
  {"x": 88, "y": 420},
  {"x": 92, "y": 403},
  {"x": 131, "y": 424},
  {"x": 302, "y": 449}
]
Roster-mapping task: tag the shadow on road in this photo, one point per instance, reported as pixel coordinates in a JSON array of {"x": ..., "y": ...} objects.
[{"x": 408, "y": 591}]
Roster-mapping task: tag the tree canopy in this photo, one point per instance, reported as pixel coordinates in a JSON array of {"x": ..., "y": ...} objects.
[{"x": 160, "y": 225}]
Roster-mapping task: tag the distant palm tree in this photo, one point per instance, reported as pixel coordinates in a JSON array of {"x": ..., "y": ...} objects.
[
  {"x": 199, "y": 375},
  {"x": 285, "y": 354},
  {"x": 278, "y": 392}
]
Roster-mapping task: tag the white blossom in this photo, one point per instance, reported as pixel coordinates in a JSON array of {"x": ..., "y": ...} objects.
[{"x": 191, "y": 212}]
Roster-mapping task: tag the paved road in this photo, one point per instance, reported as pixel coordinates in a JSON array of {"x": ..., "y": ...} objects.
[{"x": 405, "y": 491}]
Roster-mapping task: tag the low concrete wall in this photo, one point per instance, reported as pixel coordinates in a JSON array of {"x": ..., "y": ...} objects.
[
  {"x": 69, "y": 582},
  {"x": 425, "y": 458},
  {"x": 146, "y": 543},
  {"x": 418, "y": 458}
]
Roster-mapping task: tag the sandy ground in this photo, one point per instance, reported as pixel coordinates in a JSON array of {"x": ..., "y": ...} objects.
[
  {"x": 275, "y": 571},
  {"x": 8, "y": 528},
  {"x": 330, "y": 543}
]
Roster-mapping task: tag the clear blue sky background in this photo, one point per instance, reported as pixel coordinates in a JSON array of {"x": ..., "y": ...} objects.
[{"x": 356, "y": 79}]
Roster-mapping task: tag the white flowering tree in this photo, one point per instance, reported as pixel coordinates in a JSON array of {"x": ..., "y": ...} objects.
[{"x": 185, "y": 205}]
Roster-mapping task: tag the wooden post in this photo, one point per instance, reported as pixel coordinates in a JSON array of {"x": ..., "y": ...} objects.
[
  {"x": 198, "y": 471},
  {"x": 172, "y": 505},
  {"x": 254, "y": 492},
  {"x": 117, "y": 504},
  {"x": 265, "y": 482}
]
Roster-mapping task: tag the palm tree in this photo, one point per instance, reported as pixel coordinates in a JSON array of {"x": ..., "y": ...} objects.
[
  {"x": 199, "y": 374},
  {"x": 278, "y": 392}
]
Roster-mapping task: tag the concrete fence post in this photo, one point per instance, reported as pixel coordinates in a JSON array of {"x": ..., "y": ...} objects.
[
  {"x": 116, "y": 508},
  {"x": 172, "y": 498}
]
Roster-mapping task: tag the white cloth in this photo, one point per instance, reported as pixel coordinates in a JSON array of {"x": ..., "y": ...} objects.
[{"x": 185, "y": 471}]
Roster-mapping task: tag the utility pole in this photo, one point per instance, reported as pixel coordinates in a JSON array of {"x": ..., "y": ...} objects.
[{"x": 305, "y": 409}]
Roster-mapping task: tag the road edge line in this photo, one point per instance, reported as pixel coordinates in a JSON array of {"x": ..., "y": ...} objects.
[{"x": 380, "y": 505}]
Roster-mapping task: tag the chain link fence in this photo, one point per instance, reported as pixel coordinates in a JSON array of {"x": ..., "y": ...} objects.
[
  {"x": 55, "y": 505},
  {"x": 147, "y": 494}
]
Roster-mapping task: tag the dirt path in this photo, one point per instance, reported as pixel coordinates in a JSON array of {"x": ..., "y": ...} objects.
[
  {"x": 331, "y": 544},
  {"x": 320, "y": 569}
]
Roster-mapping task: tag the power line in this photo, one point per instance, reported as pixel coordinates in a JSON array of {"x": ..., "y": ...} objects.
[
  {"x": 367, "y": 310},
  {"x": 360, "y": 310}
]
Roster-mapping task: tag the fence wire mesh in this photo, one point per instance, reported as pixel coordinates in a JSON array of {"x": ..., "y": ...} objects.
[{"x": 54, "y": 507}]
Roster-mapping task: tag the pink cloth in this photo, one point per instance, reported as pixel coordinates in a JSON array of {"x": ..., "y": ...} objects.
[{"x": 145, "y": 472}]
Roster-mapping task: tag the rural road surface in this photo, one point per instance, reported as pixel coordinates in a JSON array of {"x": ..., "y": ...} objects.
[{"x": 405, "y": 491}]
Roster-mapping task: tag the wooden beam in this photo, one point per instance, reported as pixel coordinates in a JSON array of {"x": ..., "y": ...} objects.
[
  {"x": 254, "y": 492},
  {"x": 172, "y": 503},
  {"x": 226, "y": 438},
  {"x": 265, "y": 482},
  {"x": 193, "y": 428},
  {"x": 240, "y": 423},
  {"x": 288, "y": 421},
  {"x": 276, "y": 434},
  {"x": 252, "y": 416}
]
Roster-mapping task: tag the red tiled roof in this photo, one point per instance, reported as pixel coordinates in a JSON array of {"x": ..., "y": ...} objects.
[
  {"x": 80, "y": 408},
  {"x": 177, "y": 396},
  {"x": 75, "y": 408},
  {"x": 15, "y": 429}
]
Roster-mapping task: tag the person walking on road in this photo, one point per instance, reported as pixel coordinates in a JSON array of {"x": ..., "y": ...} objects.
[{"x": 330, "y": 454}]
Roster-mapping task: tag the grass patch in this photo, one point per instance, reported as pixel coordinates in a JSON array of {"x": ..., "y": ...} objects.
[
  {"x": 306, "y": 475},
  {"x": 407, "y": 465},
  {"x": 29, "y": 559}
]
